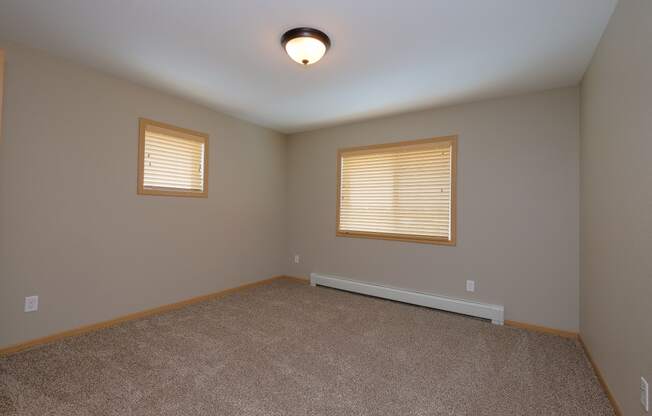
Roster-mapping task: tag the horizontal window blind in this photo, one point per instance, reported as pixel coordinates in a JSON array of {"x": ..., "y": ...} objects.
[
  {"x": 172, "y": 160},
  {"x": 401, "y": 190}
]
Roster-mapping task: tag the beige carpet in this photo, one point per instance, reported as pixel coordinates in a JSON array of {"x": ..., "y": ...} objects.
[{"x": 289, "y": 349}]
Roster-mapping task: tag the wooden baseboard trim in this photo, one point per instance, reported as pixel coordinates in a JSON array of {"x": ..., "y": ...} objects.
[
  {"x": 544, "y": 329},
  {"x": 302, "y": 280},
  {"x": 137, "y": 315},
  {"x": 601, "y": 379}
]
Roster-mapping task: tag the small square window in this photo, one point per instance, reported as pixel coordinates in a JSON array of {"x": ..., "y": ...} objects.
[{"x": 172, "y": 161}]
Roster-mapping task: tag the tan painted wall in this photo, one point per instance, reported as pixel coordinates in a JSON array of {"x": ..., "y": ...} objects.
[
  {"x": 72, "y": 228},
  {"x": 616, "y": 207},
  {"x": 74, "y": 231},
  {"x": 518, "y": 207}
]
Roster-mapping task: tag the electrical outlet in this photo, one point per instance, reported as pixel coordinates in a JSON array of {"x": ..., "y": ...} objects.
[
  {"x": 645, "y": 394},
  {"x": 296, "y": 259},
  {"x": 31, "y": 304},
  {"x": 470, "y": 285}
]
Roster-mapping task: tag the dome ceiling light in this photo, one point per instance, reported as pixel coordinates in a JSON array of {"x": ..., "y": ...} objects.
[{"x": 305, "y": 45}]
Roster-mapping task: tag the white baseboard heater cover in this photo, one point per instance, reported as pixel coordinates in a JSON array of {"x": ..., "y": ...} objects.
[{"x": 495, "y": 313}]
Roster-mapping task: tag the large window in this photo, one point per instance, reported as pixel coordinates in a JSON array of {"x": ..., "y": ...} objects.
[
  {"x": 399, "y": 191},
  {"x": 172, "y": 161}
]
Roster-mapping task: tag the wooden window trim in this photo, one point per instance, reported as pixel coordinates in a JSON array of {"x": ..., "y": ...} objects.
[
  {"x": 402, "y": 237},
  {"x": 144, "y": 124}
]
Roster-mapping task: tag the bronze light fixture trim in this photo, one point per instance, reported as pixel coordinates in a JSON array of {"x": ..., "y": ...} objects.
[{"x": 305, "y": 45}]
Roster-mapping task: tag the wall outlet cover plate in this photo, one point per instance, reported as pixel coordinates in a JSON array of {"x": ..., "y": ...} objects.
[
  {"x": 645, "y": 394},
  {"x": 31, "y": 304}
]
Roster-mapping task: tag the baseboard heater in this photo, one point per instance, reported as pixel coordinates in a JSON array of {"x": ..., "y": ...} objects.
[{"x": 495, "y": 313}]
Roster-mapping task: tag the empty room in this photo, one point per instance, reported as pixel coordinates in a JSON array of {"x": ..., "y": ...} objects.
[{"x": 373, "y": 208}]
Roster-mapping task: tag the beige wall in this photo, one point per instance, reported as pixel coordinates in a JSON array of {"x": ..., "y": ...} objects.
[
  {"x": 72, "y": 228},
  {"x": 616, "y": 207},
  {"x": 518, "y": 207},
  {"x": 74, "y": 231}
]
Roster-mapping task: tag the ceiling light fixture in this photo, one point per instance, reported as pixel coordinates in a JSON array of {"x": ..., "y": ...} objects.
[{"x": 305, "y": 45}]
